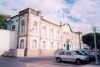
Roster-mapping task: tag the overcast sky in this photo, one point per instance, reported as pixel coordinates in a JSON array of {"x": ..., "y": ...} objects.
[{"x": 80, "y": 14}]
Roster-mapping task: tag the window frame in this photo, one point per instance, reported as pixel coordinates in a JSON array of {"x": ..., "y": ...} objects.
[
  {"x": 44, "y": 44},
  {"x": 23, "y": 26},
  {"x": 13, "y": 27},
  {"x": 21, "y": 46},
  {"x": 34, "y": 43}
]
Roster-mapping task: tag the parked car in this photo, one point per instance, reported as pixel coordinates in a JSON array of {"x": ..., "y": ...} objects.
[
  {"x": 93, "y": 53},
  {"x": 90, "y": 53},
  {"x": 87, "y": 53},
  {"x": 72, "y": 56}
]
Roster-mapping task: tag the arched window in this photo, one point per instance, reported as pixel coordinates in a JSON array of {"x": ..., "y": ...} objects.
[
  {"x": 23, "y": 26},
  {"x": 34, "y": 45},
  {"x": 21, "y": 44},
  {"x": 43, "y": 44}
]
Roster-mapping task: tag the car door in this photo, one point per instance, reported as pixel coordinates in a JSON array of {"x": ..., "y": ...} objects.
[
  {"x": 62, "y": 55},
  {"x": 69, "y": 56}
]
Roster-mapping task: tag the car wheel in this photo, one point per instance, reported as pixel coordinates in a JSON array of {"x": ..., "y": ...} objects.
[
  {"x": 78, "y": 61},
  {"x": 58, "y": 60}
]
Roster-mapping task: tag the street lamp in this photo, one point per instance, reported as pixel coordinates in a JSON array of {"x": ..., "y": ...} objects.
[{"x": 96, "y": 59}]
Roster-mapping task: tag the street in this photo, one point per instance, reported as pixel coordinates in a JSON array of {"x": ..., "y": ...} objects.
[{"x": 35, "y": 62}]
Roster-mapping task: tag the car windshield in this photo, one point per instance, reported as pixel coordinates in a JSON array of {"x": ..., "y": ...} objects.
[
  {"x": 77, "y": 52},
  {"x": 85, "y": 52}
]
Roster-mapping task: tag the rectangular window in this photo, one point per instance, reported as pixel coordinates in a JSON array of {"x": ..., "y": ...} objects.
[
  {"x": 52, "y": 32},
  {"x": 44, "y": 31},
  {"x": 34, "y": 28},
  {"x": 13, "y": 27}
]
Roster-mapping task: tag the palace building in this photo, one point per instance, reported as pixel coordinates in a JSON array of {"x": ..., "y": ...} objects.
[{"x": 37, "y": 36}]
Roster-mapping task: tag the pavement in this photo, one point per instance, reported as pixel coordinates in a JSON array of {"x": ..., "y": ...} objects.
[
  {"x": 51, "y": 65},
  {"x": 38, "y": 62},
  {"x": 49, "y": 62},
  {"x": 93, "y": 64},
  {"x": 10, "y": 62},
  {"x": 90, "y": 66}
]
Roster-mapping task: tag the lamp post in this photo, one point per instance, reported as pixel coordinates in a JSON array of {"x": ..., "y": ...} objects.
[{"x": 94, "y": 30}]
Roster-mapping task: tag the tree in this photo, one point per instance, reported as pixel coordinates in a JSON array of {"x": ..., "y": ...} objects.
[
  {"x": 2, "y": 22},
  {"x": 89, "y": 39},
  {"x": 3, "y": 19}
]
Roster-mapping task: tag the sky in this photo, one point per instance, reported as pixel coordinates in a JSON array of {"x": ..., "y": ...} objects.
[{"x": 82, "y": 15}]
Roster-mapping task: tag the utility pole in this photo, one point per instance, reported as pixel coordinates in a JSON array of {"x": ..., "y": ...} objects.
[{"x": 96, "y": 59}]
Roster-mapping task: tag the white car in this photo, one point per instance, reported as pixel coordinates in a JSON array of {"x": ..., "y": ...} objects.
[{"x": 72, "y": 56}]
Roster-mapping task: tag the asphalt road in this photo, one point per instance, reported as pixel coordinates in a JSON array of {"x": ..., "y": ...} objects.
[
  {"x": 47, "y": 62},
  {"x": 34, "y": 62}
]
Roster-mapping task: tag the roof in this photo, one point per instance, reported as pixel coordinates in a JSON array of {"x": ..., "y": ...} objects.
[
  {"x": 27, "y": 9},
  {"x": 49, "y": 22}
]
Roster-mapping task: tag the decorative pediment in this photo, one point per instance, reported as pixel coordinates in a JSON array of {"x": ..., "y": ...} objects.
[{"x": 66, "y": 28}]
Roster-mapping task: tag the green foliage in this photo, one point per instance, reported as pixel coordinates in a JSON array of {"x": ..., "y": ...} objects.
[
  {"x": 2, "y": 22},
  {"x": 89, "y": 39}
]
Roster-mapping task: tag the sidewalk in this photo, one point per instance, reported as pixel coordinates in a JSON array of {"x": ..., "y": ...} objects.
[{"x": 92, "y": 64}]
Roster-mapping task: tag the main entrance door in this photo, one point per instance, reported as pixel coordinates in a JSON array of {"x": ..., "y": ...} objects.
[{"x": 66, "y": 46}]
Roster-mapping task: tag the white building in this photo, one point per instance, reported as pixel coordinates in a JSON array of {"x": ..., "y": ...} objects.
[{"x": 40, "y": 37}]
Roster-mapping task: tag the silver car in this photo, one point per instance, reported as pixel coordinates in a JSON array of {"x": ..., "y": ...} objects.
[{"x": 72, "y": 56}]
